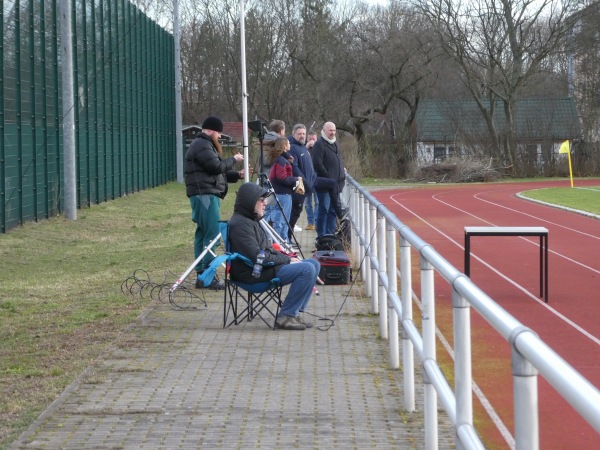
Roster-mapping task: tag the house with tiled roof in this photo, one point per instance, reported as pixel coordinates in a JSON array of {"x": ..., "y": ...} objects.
[{"x": 455, "y": 128}]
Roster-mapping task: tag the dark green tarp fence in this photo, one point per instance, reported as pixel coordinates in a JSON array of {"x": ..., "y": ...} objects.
[{"x": 124, "y": 108}]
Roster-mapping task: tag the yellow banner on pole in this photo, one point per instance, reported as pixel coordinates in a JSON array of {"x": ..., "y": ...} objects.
[{"x": 565, "y": 148}]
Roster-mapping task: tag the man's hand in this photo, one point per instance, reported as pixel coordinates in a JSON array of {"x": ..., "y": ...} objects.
[
  {"x": 238, "y": 156},
  {"x": 294, "y": 260},
  {"x": 243, "y": 172}
]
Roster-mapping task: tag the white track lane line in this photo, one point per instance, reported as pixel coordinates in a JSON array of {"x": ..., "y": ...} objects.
[{"x": 581, "y": 330}]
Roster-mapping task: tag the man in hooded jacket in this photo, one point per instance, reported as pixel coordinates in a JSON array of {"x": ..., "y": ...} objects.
[{"x": 247, "y": 237}]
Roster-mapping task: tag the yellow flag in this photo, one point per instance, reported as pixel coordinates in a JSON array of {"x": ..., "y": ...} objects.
[{"x": 564, "y": 147}]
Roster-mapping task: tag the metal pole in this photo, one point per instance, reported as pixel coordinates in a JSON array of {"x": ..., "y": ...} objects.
[
  {"x": 392, "y": 289},
  {"x": 178, "y": 119},
  {"x": 373, "y": 285},
  {"x": 429, "y": 354},
  {"x": 70, "y": 175},
  {"x": 408, "y": 352},
  {"x": 382, "y": 294},
  {"x": 462, "y": 362},
  {"x": 244, "y": 92}
]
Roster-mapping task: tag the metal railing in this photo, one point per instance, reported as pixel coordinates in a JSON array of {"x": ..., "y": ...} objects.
[{"x": 374, "y": 241}]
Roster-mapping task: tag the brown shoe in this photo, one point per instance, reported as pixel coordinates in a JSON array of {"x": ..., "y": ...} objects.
[{"x": 310, "y": 226}]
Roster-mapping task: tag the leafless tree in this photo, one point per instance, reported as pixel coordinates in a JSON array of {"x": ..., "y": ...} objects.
[{"x": 499, "y": 47}]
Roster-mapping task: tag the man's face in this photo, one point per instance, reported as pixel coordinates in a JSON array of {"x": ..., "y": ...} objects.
[
  {"x": 311, "y": 139},
  {"x": 259, "y": 208},
  {"x": 300, "y": 135},
  {"x": 329, "y": 130}
]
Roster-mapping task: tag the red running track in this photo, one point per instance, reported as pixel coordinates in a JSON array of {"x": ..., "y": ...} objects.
[{"x": 507, "y": 269}]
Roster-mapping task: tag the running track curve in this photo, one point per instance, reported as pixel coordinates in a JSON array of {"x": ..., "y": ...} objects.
[{"x": 507, "y": 269}]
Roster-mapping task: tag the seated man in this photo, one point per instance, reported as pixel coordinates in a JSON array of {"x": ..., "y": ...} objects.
[{"x": 247, "y": 238}]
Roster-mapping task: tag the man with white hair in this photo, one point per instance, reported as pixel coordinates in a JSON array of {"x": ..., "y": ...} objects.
[{"x": 328, "y": 163}]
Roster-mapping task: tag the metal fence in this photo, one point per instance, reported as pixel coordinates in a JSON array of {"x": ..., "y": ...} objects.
[
  {"x": 374, "y": 240},
  {"x": 124, "y": 108}
]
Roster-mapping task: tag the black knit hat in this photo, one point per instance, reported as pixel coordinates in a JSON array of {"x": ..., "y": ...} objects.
[{"x": 213, "y": 123}]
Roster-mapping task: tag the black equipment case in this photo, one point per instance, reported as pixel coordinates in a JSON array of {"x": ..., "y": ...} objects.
[{"x": 335, "y": 266}]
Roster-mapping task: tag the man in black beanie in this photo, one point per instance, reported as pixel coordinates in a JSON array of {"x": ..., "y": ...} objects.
[{"x": 206, "y": 178}]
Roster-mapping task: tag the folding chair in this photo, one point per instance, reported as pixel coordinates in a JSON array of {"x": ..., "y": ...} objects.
[{"x": 244, "y": 301}]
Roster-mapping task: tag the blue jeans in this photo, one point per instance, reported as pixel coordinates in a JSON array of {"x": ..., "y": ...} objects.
[
  {"x": 280, "y": 220},
  {"x": 312, "y": 214},
  {"x": 206, "y": 215},
  {"x": 301, "y": 277},
  {"x": 327, "y": 220}
]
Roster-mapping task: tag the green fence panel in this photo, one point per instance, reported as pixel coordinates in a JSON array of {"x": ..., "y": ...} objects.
[{"x": 124, "y": 107}]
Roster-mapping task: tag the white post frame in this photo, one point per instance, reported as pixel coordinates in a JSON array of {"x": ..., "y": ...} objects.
[
  {"x": 429, "y": 353},
  {"x": 373, "y": 247},
  {"x": 408, "y": 352},
  {"x": 364, "y": 233},
  {"x": 381, "y": 290},
  {"x": 353, "y": 216},
  {"x": 525, "y": 387},
  {"x": 392, "y": 290},
  {"x": 463, "y": 383},
  {"x": 367, "y": 250}
]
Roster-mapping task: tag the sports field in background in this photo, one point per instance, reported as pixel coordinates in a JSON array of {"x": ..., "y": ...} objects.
[{"x": 582, "y": 198}]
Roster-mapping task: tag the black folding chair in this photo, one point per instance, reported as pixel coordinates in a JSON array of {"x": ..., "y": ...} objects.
[{"x": 245, "y": 301}]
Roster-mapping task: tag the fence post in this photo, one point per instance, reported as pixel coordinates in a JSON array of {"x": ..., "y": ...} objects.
[
  {"x": 429, "y": 353},
  {"x": 462, "y": 362},
  {"x": 390, "y": 244},
  {"x": 525, "y": 397},
  {"x": 381, "y": 294},
  {"x": 372, "y": 253},
  {"x": 408, "y": 357}
]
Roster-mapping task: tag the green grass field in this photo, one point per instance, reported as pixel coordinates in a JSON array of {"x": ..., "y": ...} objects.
[
  {"x": 580, "y": 198},
  {"x": 61, "y": 304}
]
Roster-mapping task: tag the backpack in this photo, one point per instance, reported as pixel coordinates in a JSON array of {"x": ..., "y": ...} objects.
[
  {"x": 344, "y": 233},
  {"x": 328, "y": 242}
]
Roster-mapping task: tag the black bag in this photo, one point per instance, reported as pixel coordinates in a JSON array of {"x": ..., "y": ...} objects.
[
  {"x": 335, "y": 267},
  {"x": 328, "y": 242}
]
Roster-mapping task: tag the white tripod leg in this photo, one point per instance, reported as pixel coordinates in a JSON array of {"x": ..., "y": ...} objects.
[{"x": 207, "y": 249}]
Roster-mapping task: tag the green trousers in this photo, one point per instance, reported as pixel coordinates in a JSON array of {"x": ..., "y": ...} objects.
[{"x": 205, "y": 214}]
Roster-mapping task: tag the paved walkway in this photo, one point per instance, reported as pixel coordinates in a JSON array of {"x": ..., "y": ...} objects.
[{"x": 178, "y": 380}]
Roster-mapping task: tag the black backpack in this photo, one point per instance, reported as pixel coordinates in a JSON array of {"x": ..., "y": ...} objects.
[{"x": 328, "y": 242}]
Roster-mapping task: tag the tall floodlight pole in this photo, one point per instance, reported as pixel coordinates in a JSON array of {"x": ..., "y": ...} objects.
[
  {"x": 68, "y": 104},
  {"x": 178, "y": 126},
  {"x": 244, "y": 93}
]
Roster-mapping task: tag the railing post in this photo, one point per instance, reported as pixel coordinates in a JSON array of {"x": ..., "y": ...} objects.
[
  {"x": 364, "y": 239},
  {"x": 373, "y": 247},
  {"x": 408, "y": 357},
  {"x": 525, "y": 397},
  {"x": 390, "y": 244},
  {"x": 367, "y": 251},
  {"x": 429, "y": 353},
  {"x": 354, "y": 199},
  {"x": 382, "y": 294},
  {"x": 462, "y": 363}
]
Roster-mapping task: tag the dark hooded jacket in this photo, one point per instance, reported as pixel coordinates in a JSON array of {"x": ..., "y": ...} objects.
[
  {"x": 205, "y": 172},
  {"x": 247, "y": 238},
  {"x": 327, "y": 161}
]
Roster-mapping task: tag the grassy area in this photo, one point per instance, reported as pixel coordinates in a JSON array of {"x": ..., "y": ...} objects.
[
  {"x": 582, "y": 199},
  {"x": 61, "y": 304}
]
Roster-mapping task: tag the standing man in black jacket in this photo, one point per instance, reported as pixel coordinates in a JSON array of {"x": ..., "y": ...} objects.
[
  {"x": 206, "y": 177},
  {"x": 328, "y": 163}
]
